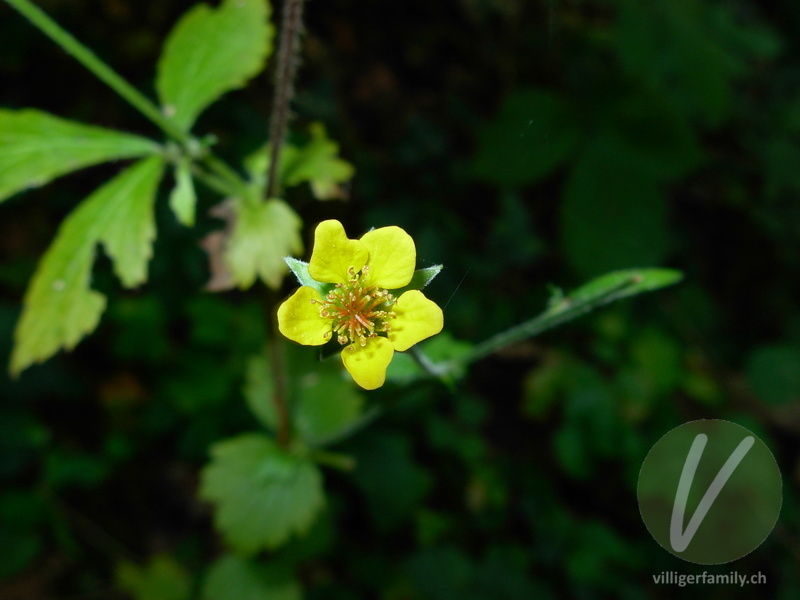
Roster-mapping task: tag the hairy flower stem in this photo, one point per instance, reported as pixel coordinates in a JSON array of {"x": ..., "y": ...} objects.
[{"x": 285, "y": 71}]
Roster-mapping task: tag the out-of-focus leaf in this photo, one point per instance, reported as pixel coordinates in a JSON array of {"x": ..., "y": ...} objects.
[
  {"x": 36, "y": 147},
  {"x": 612, "y": 216},
  {"x": 534, "y": 132},
  {"x": 389, "y": 477},
  {"x": 263, "y": 234},
  {"x": 441, "y": 573},
  {"x": 652, "y": 136},
  {"x": 600, "y": 550},
  {"x": 59, "y": 306},
  {"x": 71, "y": 468},
  {"x": 258, "y": 391},
  {"x": 326, "y": 405},
  {"x": 235, "y": 578},
  {"x": 19, "y": 550},
  {"x": 318, "y": 163},
  {"x": 211, "y": 52},
  {"x": 162, "y": 579},
  {"x": 688, "y": 50},
  {"x": 182, "y": 200},
  {"x": 774, "y": 373},
  {"x": 323, "y": 404},
  {"x": 263, "y": 495}
]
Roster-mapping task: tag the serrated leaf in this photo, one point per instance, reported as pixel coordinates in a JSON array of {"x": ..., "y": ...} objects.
[
  {"x": 300, "y": 270},
  {"x": 235, "y": 578},
  {"x": 182, "y": 199},
  {"x": 36, "y": 147},
  {"x": 263, "y": 495},
  {"x": 318, "y": 163},
  {"x": 211, "y": 52},
  {"x": 59, "y": 306},
  {"x": 162, "y": 579},
  {"x": 264, "y": 233}
]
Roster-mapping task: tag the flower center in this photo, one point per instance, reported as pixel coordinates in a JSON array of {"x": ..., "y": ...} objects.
[{"x": 358, "y": 311}]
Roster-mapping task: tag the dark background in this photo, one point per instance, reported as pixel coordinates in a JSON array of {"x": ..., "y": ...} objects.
[{"x": 522, "y": 144}]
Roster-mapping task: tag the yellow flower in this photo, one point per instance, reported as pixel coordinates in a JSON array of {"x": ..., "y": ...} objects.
[{"x": 360, "y": 311}]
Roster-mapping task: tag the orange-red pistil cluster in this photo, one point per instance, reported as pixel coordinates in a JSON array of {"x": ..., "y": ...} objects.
[{"x": 358, "y": 312}]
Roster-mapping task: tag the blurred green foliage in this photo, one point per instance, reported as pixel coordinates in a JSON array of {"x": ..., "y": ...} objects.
[{"x": 523, "y": 144}]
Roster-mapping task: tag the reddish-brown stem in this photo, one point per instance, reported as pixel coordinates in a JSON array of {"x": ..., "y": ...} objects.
[{"x": 285, "y": 71}]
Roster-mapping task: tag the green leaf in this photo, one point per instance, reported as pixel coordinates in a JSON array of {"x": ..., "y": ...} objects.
[
  {"x": 652, "y": 136},
  {"x": 20, "y": 548},
  {"x": 36, "y": 147},
  {"x": 235, "y": 578},
  {"x": 774, "y": 373},
  {"x": 533, "y": 133},
  {"x": 324, "y": 404},
  {"x": 300, "y": 270},
  {"x": 317, "y": 163},
  {"x": 613, "y": 216},
  {"x": 561, "y": 309},
  {"x": 211, "y": 52},
  {"x": 259, "y": 392},
  {"x": 60, "y": 307},
  {"x": 393, "y": 483},
  {"x": 182, "y": 200},
  {"x": 264, "y": 233},
  {"x": 162, "y": 579},
  {"x": 442, "y": 352},
  {"x": 64, "y": 468},
  {"x": 618, "y": 285},
  {"x": 263, "y": 495}
]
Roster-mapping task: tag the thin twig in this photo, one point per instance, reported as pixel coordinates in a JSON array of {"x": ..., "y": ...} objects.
[{"x": 285, "y": 71}]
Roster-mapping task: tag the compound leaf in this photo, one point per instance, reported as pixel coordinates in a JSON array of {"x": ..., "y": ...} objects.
[
  {"x": 60, "y": 307},
  {"x": 36, "y": 147},
  {"x": 263, "y": 494}
]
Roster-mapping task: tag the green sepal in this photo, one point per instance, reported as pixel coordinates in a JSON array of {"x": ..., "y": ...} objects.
[
  {"x": 300, "y": 270},
  {"x": 420, "y": 279}
]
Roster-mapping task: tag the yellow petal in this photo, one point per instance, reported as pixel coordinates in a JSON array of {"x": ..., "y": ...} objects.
[
  {"x": 392, "y": 257},
  {"x": 334, "y": 253},
  {"x": 417, "y": 318},
  {"x": 368, "y": 364},
  {"x": 299, "y": 320}
]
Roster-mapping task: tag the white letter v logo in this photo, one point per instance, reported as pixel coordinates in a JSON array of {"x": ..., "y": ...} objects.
[{"x": 680, "y": 540}]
